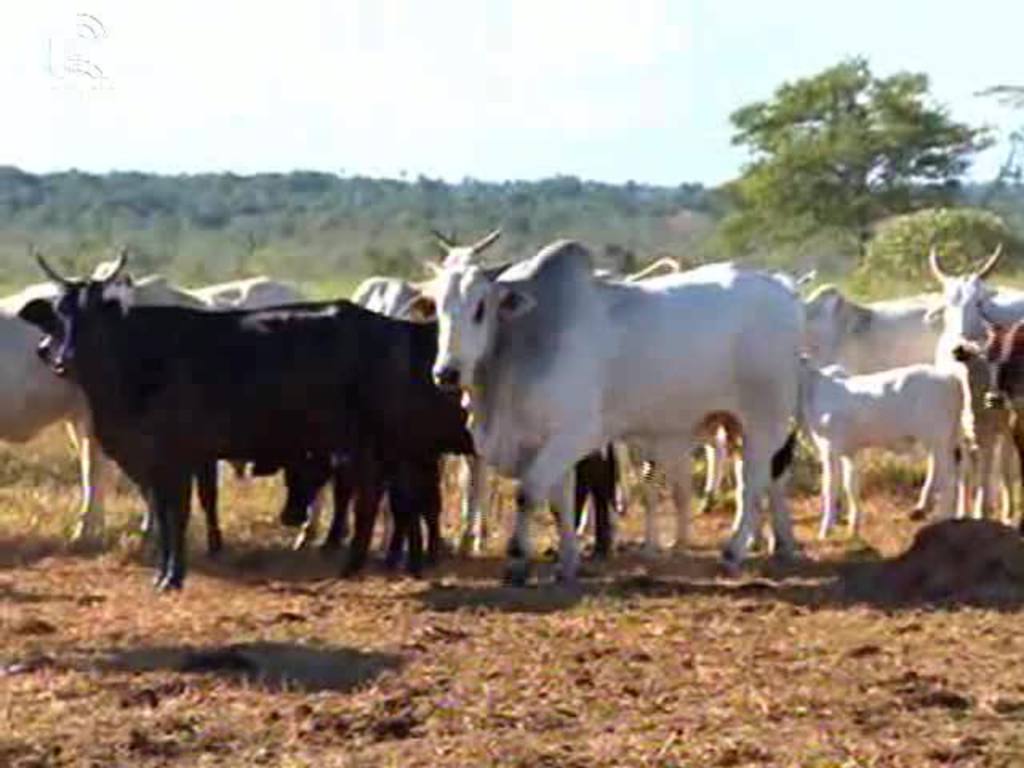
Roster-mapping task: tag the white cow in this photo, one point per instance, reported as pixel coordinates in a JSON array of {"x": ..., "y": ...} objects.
[
  {"x": 555, "y": 362},
  {"x": 865, "y": 338},
  {"x": 968, "y": 301},
  {"x": 844, "y": 414},
  {"x": 32, "y": 398}
]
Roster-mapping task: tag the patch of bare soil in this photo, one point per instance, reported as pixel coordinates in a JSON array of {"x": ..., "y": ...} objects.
[{"x": 976, "y": 562}]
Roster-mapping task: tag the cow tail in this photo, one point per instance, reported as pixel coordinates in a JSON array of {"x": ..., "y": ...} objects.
[{"x": 783, "y": 458}]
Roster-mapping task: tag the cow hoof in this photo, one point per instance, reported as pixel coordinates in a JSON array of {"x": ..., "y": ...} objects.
[
  {"x": 349, "y": 571},
  {"x": 789, "y": 555},
  {"x": 517, "y": 573},
  {"x": 169, "y": 584},
  {"x": 86, "y": 536},
  {"x": 650, "y": 551},
  {"x": 469, "y": 546},
  {"x": 329, "y": 549},
  {"x": 730, "y": 563},
  {"x": 300, "y": 543},
  {"x": 918, "y": 513},
  {"x": 566, "y": 576},
  {"x": 214, "y": 546}
]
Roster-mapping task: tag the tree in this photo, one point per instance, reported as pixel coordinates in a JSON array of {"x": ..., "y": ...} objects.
[
  {"x": 840, "y": 151},
  {"x": 962, "y": 237},
  {"x": 1012, "y": 169}
]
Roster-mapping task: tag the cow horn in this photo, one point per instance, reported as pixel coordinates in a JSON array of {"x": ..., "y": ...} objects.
[
  {"x": 933, "y": 262},
  {"x": 485, "y": 242},
  {"x": 49, "y": 271},
  {"x": 806, "y": 277},
  {"x": 443, "y": 241},
  {"x": 990, "y": 264},
  {"x": 122, "y": 259}
]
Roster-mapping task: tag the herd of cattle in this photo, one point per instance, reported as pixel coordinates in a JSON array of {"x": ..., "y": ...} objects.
[{"x": 548, "y": 370}]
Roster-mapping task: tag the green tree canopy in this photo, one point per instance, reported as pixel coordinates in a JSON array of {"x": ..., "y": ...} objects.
[{"x": 840, "y": 151}]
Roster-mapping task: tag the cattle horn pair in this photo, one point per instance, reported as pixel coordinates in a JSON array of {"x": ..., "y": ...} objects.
[
  {"x": 50, "y": 272},
  {"x": 449, "y": 244},
  {"x": 983, "y": 272}
]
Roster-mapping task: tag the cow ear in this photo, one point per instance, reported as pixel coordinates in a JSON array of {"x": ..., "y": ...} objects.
[
  {"x": 41, "y": 314},
  {"x": 513, "y": 304},
  {"x": 421, "y": 308}
]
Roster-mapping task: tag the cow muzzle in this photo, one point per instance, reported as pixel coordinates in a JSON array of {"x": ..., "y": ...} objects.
[
  {"x": 448, "y": 378},
  {"x": 56, "y": 361},
  {"x": 962, "y": 353}
]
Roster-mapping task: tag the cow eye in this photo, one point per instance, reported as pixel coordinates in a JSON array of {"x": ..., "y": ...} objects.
[{"x": 478, "y": 313}]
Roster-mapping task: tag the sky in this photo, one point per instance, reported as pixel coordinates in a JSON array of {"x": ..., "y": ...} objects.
[{"x": 613, "y": 90}]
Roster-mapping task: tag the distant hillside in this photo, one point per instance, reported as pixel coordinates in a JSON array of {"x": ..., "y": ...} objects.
[{"x": 318, "y": 226}]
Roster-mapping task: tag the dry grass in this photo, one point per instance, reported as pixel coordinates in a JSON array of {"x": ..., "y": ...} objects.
[{"x": 266, "y": 659}]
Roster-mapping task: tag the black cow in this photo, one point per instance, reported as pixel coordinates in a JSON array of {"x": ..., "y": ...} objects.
[{"x": 171, "y": 389}]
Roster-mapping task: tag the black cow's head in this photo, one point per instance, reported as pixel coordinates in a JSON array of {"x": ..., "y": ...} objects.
[{"x": 61, "y": 319}]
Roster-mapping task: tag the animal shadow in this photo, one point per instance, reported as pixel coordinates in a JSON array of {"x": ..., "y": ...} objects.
[{"x": 274, "y": 666}]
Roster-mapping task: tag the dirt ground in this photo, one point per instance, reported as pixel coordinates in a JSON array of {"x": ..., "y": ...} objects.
[{"x": 267, "y": 659}]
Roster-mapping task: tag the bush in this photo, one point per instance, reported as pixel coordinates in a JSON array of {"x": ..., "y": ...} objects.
[{"x": 963, "y": 237}]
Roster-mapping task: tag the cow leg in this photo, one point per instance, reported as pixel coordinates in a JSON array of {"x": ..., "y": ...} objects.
[
  {"x": 625, "y": 477},
  {"x": 369, "y": 487},
  {"x": 95, "y": 470},
  {"x": 580, "y": 494},
  {"x": 716, "y": 454},
  {"x": 604, "y": 499},
  {"x": 852, "y": 494},
  {"x": 549, "y": 469},
  {"x": 1017, "y": 435},
  {"x": 473, "y": 480},
  {"x": 829, "y": 490},
  {"x": 678, "y": 465},
  {"x": 983, "y": 480},
  {"x": 206, "y": 485},
  {"x": 589, "y": 471},
  {"x": 431, "y": 507},
  {"x": 342, "y": 488},
  {"x": 758, "y": 456},
  {"x": 781, "y": 523},
  {"x": 174, "y": 502},
  {"x": 927, "y": 495},
  {"x": 652, "y": 498},
  {"x": 1007, "y": 466},
  {"x": 159, "y": 527},
  {"x": 308, "y": 532},
  {"x": 401, "y": 528},
  {"x": 561, "y": 499},
  {"x": 945, "y": 486}
]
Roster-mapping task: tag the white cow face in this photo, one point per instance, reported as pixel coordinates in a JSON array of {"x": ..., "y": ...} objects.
[
  {"x": 965, "y": 300},
  {"x": 469, "y": 310}
]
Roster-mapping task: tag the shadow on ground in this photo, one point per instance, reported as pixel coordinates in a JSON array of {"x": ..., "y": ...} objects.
[
  {"x": 949, "y": 565},
  {"x": 275, "y": 666}
]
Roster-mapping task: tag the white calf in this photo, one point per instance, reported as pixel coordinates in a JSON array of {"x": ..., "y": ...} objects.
[{"x": 844, "y": 414}]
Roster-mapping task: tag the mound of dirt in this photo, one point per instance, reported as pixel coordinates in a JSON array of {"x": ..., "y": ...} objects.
[{"x": 958, "y": 561}]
